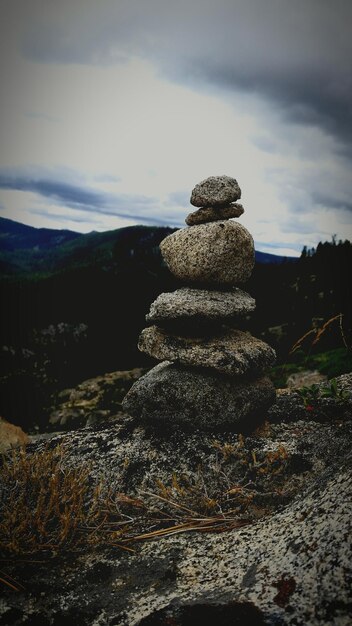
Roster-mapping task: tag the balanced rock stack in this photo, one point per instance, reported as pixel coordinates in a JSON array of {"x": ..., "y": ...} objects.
[{"x": 212, "y": 374}]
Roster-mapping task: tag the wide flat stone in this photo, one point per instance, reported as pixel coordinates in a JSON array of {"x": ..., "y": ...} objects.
[
  {"x": 198, "y": 305},
  {"x": 217, "y": 253},
  {"x": 230, "y": 352},
  {"x": 213, "y": 214},
  {"x": 170, "y": 394},
  {"x": 215, "y": 191}
]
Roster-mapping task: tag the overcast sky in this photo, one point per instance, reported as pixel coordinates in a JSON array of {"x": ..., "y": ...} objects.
[{"x": 112, "y": 110}]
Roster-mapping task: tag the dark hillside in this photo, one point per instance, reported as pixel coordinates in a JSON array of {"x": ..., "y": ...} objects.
[
  {"x": 15, "y": 236},
  {"x": 34, "y": 252}
]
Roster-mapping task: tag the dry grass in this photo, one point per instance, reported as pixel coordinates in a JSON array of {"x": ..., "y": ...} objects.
[
  {"x": 46, "y": 506},
  {"x": 317, "y": 333},
  {"x": 222, "y": 503},
  {"x": 49, "y": 507}
]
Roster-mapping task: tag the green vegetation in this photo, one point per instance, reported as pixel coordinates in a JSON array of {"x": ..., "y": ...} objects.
[
  {"x": 331, "y": 363},
  {"x": 314, "y": 392}
]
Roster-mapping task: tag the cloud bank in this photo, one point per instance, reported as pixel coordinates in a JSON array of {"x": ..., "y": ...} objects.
[
  {"x": 151, "y": 97},
  {"x": 80, "y": 197},
  {"x": 297, "y": 54}
]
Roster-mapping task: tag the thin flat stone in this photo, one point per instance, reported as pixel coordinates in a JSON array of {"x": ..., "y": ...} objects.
[
  {"x": 189, "y": 305},
  {"x": 217, "y": 254},
  {"x": 169, "y": 394},
  {"x": 215, "y": 191},
  {"x": 231, "y": 352},
  {"x": 213, "y": 214}
]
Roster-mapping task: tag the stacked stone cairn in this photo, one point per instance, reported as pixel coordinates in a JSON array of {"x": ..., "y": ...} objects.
[{"x": 212, "y": 375}]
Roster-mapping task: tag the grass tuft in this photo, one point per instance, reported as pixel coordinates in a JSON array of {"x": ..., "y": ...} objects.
[{"x": 45, "y": 505}]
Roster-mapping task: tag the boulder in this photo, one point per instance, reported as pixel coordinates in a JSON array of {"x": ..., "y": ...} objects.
[
  {"x": 287, "y": 561},
  {"x": 213, "y": 214},
  {"x": 231, "y": 351},
  {"x": 215, "y": 191},
  {"x": 188, "y": 304},
  {"x": 218, "y": 253},
  {"x": 169, "y": 394},
  {"x": 11, "y": 436}
]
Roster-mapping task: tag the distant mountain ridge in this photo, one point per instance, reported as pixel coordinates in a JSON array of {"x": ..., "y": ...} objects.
[
  {"x": 17, "y": 236},
  {"x": 26, "y": 249}
]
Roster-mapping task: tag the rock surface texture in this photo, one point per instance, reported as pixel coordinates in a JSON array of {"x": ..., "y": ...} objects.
[
  {"x": 213, "y": 373},
  {"x": 188, "y": 304},
  {"x": 287, "y": 485},
  {"x": 197, "y": 398},
  {"x": 229, "y": 352},
  {"x": 217, "y": 253}
]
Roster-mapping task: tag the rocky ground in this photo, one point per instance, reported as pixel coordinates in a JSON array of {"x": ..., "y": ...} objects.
[
  {"x": 93, "y": 400},
  {"x": 211, "y": 527}
]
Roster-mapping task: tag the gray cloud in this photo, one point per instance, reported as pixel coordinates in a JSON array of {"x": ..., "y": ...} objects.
[
  {"x": 78, "y": 219},
  {"x": 278, "y": 246},
  {"x": 37, "y": 115},
  {"x": 303, "y": 227},
  {"x": 179, "y": 198},
  {"x": 73, "y": 196},
  {"x": 295, "y": 54},
  {"x": 82, "y": 198},
  {"x": 308, "y": 191},
  {"x": 313, "y": 97},
  {"x": 331, "y": 201}
]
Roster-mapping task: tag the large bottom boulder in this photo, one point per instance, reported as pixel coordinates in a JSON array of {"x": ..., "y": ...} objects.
[{"x": 169, "y": 394}]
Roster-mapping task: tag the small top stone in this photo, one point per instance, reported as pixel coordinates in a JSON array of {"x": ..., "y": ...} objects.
[
  {"x": 215, "y": 191},
  {"x": 214, "y": 214}
]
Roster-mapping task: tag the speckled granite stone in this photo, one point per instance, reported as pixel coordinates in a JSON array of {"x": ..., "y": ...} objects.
[
  {"x": 213, "y": 214},
  {"x": 230, "y": 352},
  {"x": 170, "y": 394},
  {"x": 215, "y": 191},
  {"x": 194, "y": 304},
  {"x": 217, "y": 253},
  {"x": 291, "y": 566}
]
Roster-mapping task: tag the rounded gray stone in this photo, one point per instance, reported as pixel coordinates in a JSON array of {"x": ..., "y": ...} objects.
[
  {"x": 213, "y": 214},
  {"x": 187, "y": 304},
  {"x": 169, "y": 394},
  {"x": 230, "y": 352},
  {"x": 217, "y": 253},
  {"x": 215, "y": 191}
]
